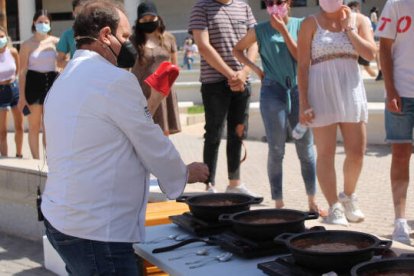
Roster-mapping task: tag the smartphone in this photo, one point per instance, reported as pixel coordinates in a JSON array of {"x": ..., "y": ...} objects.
[{"x": 26, "y": 110}]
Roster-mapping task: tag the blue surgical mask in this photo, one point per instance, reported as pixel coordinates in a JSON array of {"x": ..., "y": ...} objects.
[
  {"x": 42, "y": 28},
  {"x": 3, "y": 42}
]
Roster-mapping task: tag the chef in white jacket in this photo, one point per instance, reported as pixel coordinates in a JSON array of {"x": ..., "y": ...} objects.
[{"x": 101, "y": 147}]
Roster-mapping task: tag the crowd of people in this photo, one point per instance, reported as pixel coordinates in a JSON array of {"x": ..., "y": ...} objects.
[{"x": 101, "y": 134}]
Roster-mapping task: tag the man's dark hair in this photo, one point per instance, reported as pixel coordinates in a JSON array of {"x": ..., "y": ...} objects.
[
  {"x": 76, "y": 3},
  {"x": 94, "y": 16},
  {"x": 353, "y": 4}
]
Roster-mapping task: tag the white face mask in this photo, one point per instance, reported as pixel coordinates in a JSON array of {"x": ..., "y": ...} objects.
[
  {"x": 42, "y": 28},
  {"x": 330, "y": 6},
  {"x": 3, "y": 42}
]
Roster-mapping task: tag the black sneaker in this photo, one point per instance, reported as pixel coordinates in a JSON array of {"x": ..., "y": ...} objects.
[{"x": 379, "y": 77}]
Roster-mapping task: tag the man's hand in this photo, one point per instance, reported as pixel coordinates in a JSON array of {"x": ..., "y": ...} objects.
[
  {"x": 238, "y": 81},
  {"x": 197, "y": 172}
]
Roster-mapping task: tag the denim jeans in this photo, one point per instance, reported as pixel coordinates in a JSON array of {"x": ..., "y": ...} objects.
[
  {"x": 276, "y": 119},
  {"x": 220, "y": 103},
  {"x": 87, "y": 257}
]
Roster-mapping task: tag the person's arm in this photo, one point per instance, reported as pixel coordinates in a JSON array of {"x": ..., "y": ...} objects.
[
  {"x": 387, "y": 67},
  {"x": 279, "y": 25},
  {"x": 239, "y": 52},
  {"x": 238, "y": 81},
  {"x": 212, "y": 57},
  {"x": 62, "y": 59},
  {"x": 15, "y": 55},
  {"x": 361, "y": 38},
  {"x": 304, "y": 60},
  {"x": 156, "y": 152},
  {"x": 24, "y": 62}
]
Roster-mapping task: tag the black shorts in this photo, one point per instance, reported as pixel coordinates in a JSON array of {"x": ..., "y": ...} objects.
[
  {"x": 9, "y": 95},
  {"x": 37, "y": 86},
  {"x": 363, "y": 62}
]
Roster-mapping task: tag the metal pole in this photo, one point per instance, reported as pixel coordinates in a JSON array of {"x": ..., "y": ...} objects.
[{"x": 3, "y": 14}]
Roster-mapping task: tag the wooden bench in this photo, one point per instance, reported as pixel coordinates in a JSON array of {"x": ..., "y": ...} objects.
[{"x": 158, "y": 213}]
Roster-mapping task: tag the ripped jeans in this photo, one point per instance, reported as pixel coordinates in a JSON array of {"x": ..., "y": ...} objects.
[{"x": 221, "y": 104}]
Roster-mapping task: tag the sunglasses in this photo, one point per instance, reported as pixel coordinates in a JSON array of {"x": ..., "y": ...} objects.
[{"x": 270, "y": 3}]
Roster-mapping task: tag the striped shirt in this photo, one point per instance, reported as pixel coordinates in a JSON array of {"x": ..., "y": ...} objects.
[{"x": 226, "y": 25}]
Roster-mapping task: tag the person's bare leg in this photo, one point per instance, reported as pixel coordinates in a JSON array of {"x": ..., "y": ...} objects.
[
  {"x": 34, "y": 119},
  {"x": 354, "y": 135},
  {"x": 279, "y": 203},
  {"x": 18, "y": 130},
  {"x": 370, "y": 71},
  {"x": 401, "y": 154},
  {"x": 3, "y": 132},
  {"x": 325, "y": 141}
]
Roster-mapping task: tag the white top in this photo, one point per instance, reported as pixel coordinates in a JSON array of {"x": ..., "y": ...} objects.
[
  {"x": 335, "y": 91},
  {"x": 397, "y": 23},
  {"x": 102, "y": 144},
  {"x": 7, "y": 66},
  {"x": 42, "y": 61}
]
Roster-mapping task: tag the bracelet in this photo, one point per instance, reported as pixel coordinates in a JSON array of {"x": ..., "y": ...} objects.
[{"x": 349, "y": 28}]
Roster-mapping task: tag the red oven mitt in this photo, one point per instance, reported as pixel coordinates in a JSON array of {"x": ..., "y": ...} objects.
[{"x": 163, "y": 78}]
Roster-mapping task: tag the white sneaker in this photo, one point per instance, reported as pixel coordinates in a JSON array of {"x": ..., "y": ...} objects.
[
  {"x": 336, "y": 215},
  {"x": 240, "y": 189},
  {"x": 211, "y": 189},
  {"x": 401, "y": 231},
  {"x": 352, "y": 211}
]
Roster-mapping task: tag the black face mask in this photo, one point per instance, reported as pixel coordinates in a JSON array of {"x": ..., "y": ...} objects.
[
  {"x": 148, "y": 27},
  {"x": 127, "y": 54}
]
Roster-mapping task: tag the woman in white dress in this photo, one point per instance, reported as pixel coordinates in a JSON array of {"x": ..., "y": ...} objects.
[{"x": 332, "y": 95}]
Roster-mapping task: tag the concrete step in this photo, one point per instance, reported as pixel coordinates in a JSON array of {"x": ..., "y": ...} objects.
[{"x": 190, "y": 90}]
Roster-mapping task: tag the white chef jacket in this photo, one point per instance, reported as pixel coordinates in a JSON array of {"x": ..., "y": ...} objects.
[{"x": 101, "y": 146}]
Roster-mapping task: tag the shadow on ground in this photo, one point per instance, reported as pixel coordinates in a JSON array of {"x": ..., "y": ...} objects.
[{"x": 26, "y": 257}]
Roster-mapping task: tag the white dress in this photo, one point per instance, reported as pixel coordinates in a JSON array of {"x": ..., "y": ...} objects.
[{"x": 336, "y": 91}]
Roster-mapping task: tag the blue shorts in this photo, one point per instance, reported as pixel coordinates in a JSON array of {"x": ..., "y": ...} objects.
[
  {"x": 9, "y": 95},
  {"x": 399, "y": 126}
]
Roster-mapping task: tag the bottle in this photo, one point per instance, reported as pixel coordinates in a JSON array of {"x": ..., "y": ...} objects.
[{"x": 299, "y": 131}]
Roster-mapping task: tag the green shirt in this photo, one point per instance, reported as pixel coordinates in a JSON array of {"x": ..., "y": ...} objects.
[
  {"x": 67, "y": 43},
  {"x": 277, "y": 61}
]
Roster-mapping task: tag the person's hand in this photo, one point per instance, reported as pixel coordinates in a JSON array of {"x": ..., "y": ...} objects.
[
  {"x": 21, "y": 104},
  {"x": 197, "y": 172},
  {"x": 277, "y": 23},
  {"x": 163, "y": 78},
  {"x": 345, "y": 17},
  {"x": 306, "y": 114},
  {"x": 237, "y": 81},
  {"x": 394, "y": 104},
  {"x": 259, "y": 72}
]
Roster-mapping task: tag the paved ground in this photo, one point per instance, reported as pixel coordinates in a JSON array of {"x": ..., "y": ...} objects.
[{"x": 21, "y": 257}]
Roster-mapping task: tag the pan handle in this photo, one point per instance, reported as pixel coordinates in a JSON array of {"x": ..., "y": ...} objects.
[
  {"x": 180, "y": 244},
  {"x": 282, "y": 238},
  {"x": 311, "y": 215},
  {"x": 225, "y": 217},
  {"x": 182, "y": 198},
  {"x": 382, "y": 245},
  {"x": 256, "y": 200}
]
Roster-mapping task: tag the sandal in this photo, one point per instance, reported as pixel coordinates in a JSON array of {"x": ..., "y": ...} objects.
[{"x": 322, "y": 212}]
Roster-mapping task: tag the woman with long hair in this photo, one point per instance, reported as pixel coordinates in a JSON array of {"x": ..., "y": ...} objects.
[
  {"x": 9, "y": 94},
  {"x": 155, "y": 45},
  {"x": 332, "y": 95},
  {"x": 38, "y": 70},
  {"x": 279, "y": 99}
]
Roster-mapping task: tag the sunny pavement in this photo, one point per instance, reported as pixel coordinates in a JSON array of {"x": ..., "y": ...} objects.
[{"x": 21, "y": 257}]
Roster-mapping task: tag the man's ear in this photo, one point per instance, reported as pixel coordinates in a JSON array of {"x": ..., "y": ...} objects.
[{"x": 104, "y": 35}]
